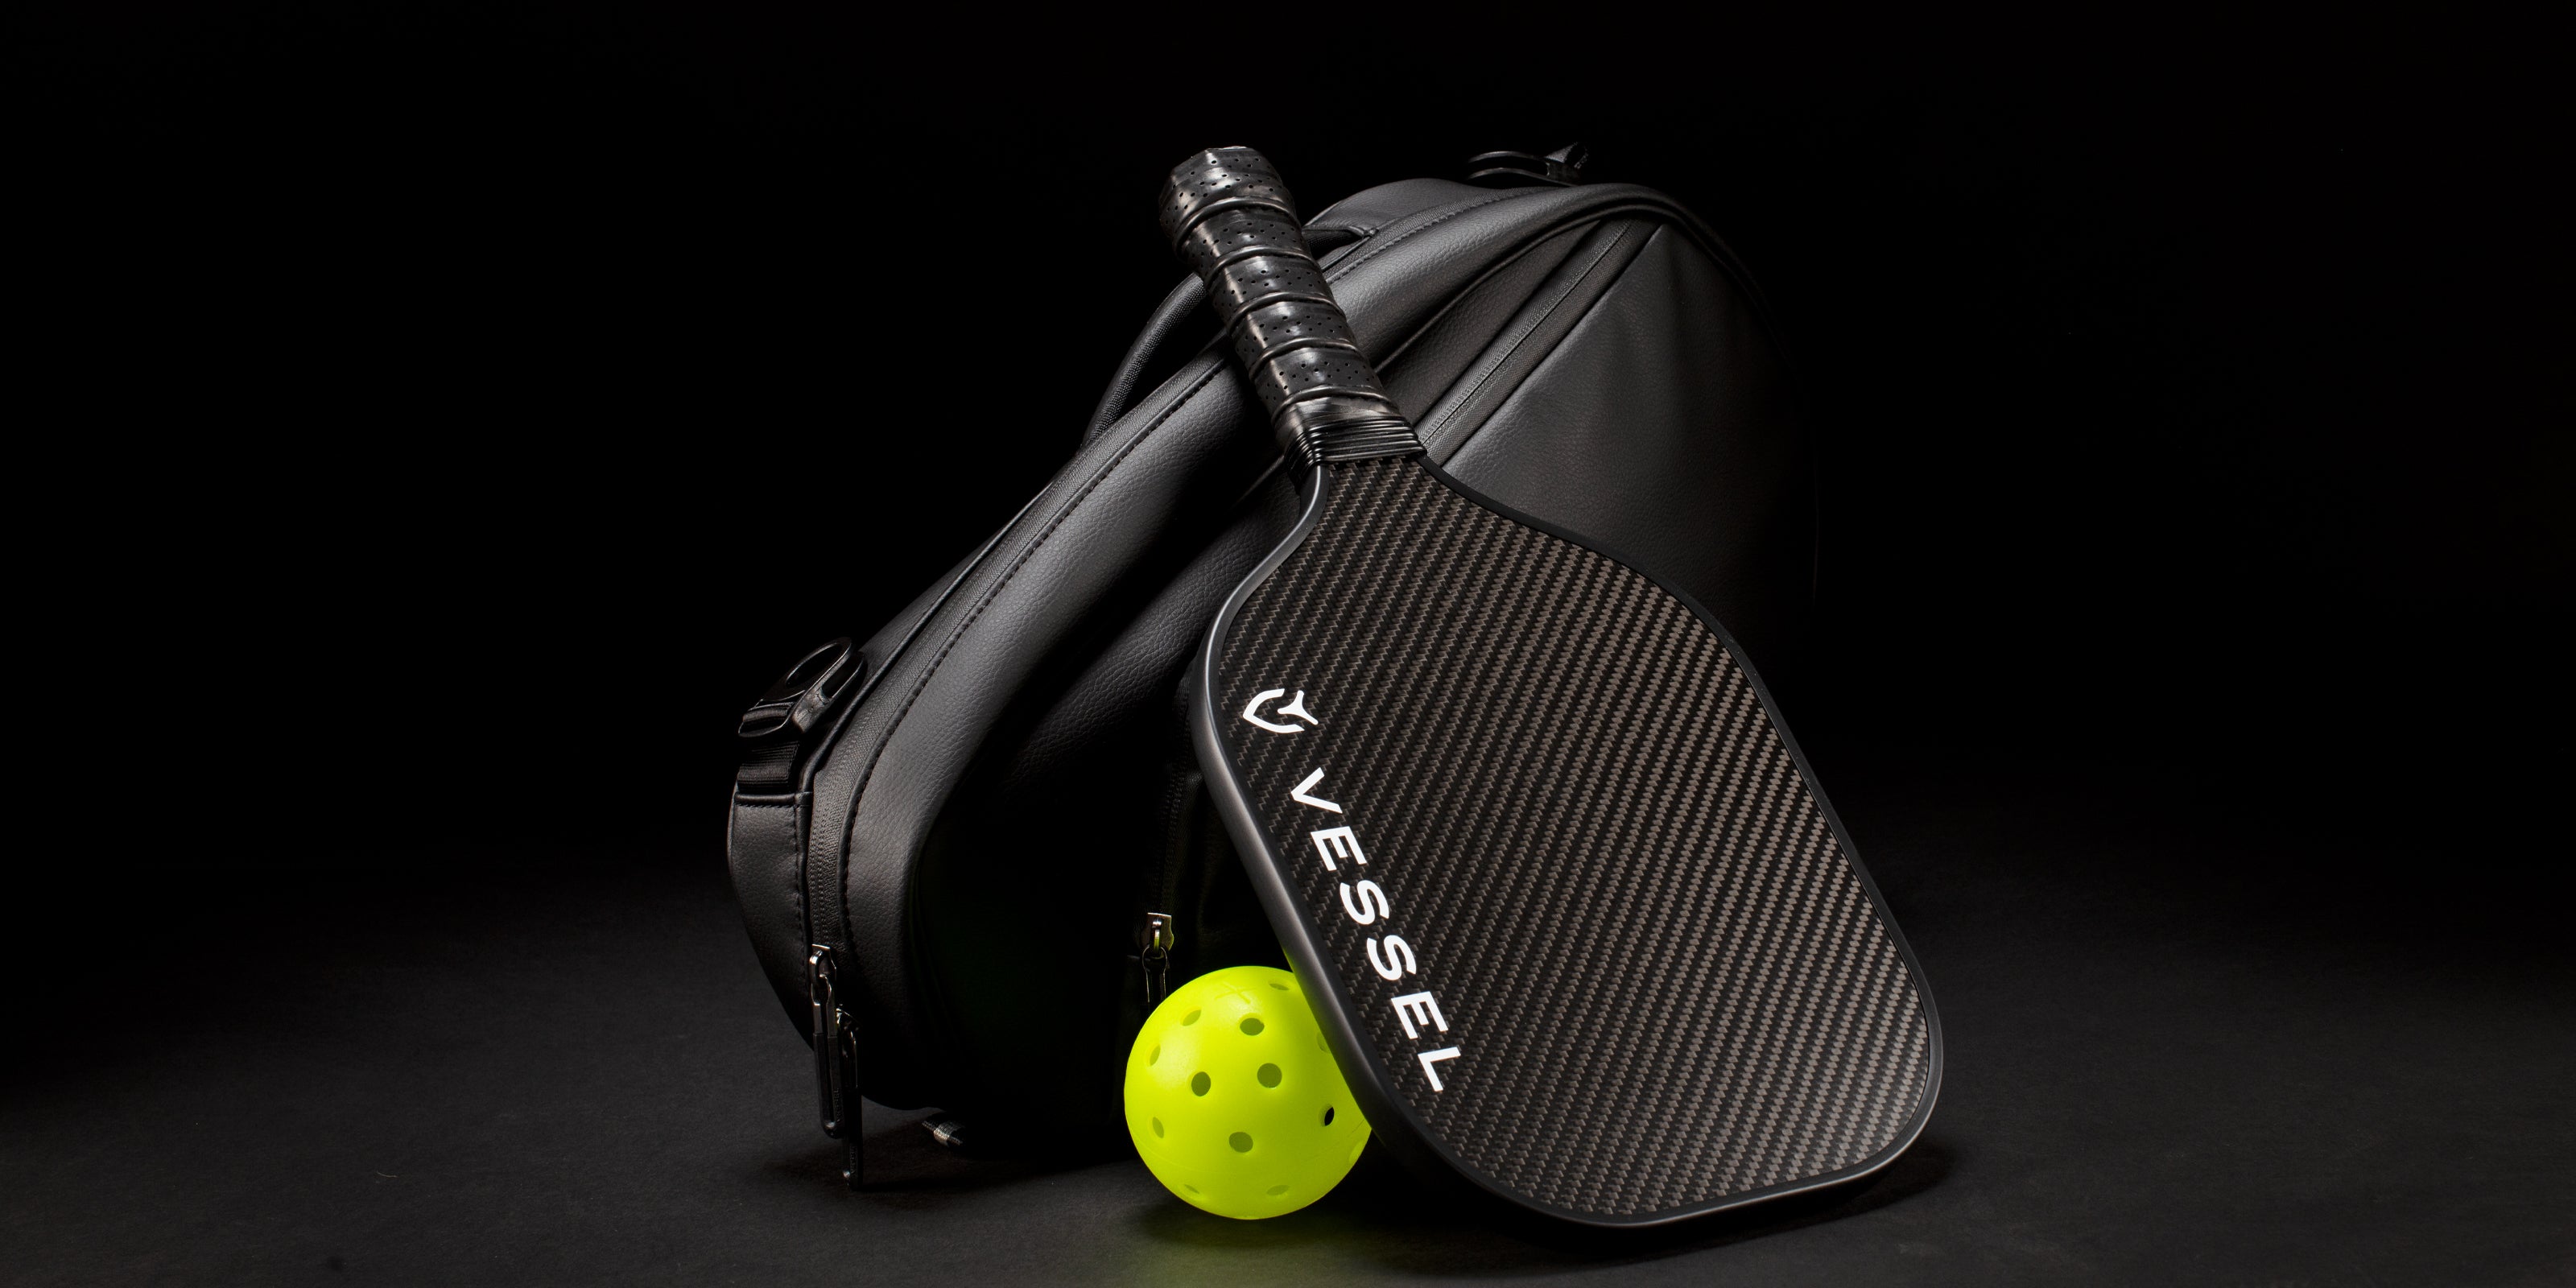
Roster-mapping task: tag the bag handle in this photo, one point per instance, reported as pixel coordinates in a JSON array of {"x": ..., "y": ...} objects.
[
  {"x": 1232, "y": 219},
  {"x": 1177, "y": 307},
  {"x": 1169, "y": 327}
]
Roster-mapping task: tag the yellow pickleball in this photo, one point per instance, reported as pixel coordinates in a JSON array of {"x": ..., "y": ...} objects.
[{"x": 1234, "y": 1102}]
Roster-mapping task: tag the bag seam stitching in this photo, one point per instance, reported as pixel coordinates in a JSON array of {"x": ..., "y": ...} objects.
[
  {"x": 859, "y": 790},
  {"x": 1376, "y": 246},
  {"x": 1536, "y": 324}
]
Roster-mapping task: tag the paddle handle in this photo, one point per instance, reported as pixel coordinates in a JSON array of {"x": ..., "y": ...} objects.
[{"x": 1229, "y": 215}]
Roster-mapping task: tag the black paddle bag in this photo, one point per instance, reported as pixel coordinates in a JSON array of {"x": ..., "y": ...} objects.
[{"x": 975, "y": 847}]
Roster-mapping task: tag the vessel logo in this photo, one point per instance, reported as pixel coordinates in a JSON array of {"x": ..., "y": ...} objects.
[
  {"x": 1296, "y": 707},
  {"x": 1365, "y": 902}
]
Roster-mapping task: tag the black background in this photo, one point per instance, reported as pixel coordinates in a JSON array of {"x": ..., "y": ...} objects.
[{"x": 438, "y": 422}]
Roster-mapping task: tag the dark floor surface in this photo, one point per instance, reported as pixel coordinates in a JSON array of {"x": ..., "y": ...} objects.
[{"x": 2183, "y": 1048}]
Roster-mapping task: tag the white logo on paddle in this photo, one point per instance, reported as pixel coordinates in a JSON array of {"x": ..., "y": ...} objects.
[
  {"x": 1296, "y": 707},
  {"x": 1390, "y": 958}
]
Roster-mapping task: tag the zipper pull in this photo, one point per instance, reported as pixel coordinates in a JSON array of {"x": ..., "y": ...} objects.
[
  {"x": 945, "y": 1128},
  {"x": 1157, "y": 958},
  {"x": 836, "y": 1058}
]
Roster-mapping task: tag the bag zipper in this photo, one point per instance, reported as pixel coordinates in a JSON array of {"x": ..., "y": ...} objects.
[
  {"x": 1156, "y": 958},
  {"x": 834, "y": 1030},
  {"x": 836, "y": 1058},
  {"x": 1158, "y": 932}
]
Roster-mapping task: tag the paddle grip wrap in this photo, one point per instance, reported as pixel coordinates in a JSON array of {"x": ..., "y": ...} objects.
[{"x": 1229, "y": 215}]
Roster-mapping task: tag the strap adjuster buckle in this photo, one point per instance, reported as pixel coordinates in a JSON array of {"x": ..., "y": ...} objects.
[
  {"x": 1562, "y": 168},
  {"x": 803, "y": 696}
]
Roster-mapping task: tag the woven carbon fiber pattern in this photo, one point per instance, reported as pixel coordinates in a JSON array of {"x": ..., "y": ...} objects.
[{"x": 1663, "y": 979}]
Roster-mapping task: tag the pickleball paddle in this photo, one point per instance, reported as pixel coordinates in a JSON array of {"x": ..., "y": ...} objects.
[{"x": 1575, "y": 918}]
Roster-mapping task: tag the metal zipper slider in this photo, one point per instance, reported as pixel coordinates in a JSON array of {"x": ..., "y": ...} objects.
[
  {"x": 836, "y": 1058},
  {"x": 945, "y": 1128},
  {"x": 1157, "y": 958}
]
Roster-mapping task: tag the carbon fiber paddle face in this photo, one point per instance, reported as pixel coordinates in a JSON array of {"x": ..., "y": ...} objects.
[{"x": 1585, "y": 928}]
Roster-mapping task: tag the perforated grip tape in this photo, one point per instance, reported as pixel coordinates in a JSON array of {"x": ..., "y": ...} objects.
[{"x": 1231, "y": 218}]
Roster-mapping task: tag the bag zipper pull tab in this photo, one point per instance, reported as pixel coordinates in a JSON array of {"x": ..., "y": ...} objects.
[
  {"x": 836, "y": 1058},
  {"x": 1157, "y": 958}
]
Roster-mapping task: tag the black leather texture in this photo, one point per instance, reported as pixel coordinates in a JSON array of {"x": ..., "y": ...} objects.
[
  {"x": 987, "y": 818},
  {"x": 1579, "y": 923}
]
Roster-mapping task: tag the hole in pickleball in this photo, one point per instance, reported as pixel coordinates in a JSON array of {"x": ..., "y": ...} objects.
[
  {"x": 1328, "y": 1120},
  {"x": 1158, "y": 1123},
  {"x": 1199, "y": 1084},
  {"x": 1191, "y": 1188},
  {"x": 1191, "y": 1018},
  {"x": 1282, "y": 988},
  {"x": 1155, "y": 1054},
  {"x": 1269, "y": 1075},
  {"x": 1242, "y": 1142},
  {"x": 1251, "y": 1025},
  {"x": 1276, "y": 1190}
]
